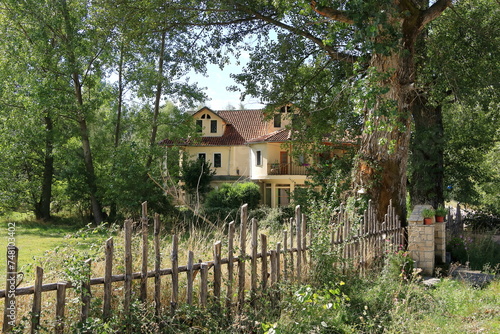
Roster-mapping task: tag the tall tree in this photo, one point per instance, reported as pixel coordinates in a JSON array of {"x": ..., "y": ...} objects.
[
  {"x": 68, "y": 46},
  {"x": 459, "y": 48},
  {"x": 380, "y": 37}
]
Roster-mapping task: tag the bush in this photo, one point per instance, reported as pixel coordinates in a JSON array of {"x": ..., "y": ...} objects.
[
  {"x": 483, "y": 221},
  {"x": 222, "y": 204}
]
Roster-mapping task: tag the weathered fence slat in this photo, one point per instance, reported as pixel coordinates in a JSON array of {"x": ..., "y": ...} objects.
[
  {"x": 264, "y": 274},
  {"x": 253, "y": 261},
  {"x": 292, "y": 263},
  {"x": 298, "y": 221},
  {"x": 278, "y": 261},
  {"x": 86, "y": 292},
  {"x": 241, "y": 264},
  {"x": 190, "y": 278},
  {"x": 203, "y": 284},
  {"x": 304, "y": 240},
  {"x": 144, "y": 267},
  {"x": 108, "y": 272},
  {"x": 217, "y": 271},
  {"x": 60, "y": 306},
  {"x": 127, "y": 284},
  {"x": 230, "y": 267},
  {"x": 37, "y": 300},
  {"x": 175, "y": 273},
  {"x": 285, "y": 255},
  {"x": 157, "y": 247}
]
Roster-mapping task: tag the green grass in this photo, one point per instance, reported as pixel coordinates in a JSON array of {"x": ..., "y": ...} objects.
[{"x": 33, "y": 238}]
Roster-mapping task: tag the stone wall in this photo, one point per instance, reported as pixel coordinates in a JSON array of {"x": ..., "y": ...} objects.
[{"x": 426, "y": 243}]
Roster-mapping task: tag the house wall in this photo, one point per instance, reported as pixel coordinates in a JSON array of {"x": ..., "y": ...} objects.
[
  {"x": 206, "y": 123},
  {"x": 234, "y": 159}
]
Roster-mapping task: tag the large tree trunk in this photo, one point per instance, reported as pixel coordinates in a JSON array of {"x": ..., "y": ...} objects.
[
  {"x": 381, "y": 171},
  {"x": 42, "y": 208},
  {"x": 427, "y": 147}
]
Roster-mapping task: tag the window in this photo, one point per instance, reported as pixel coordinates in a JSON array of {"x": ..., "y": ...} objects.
[
  {"x": 213, "y": 126},
  {"x": 202, "y": 156},
  {"x": 199, "y": 125},
  {"x": 277, "y": 120},
  {"x": 217, "y": 160},
  {"x": 258, "y": 158}
]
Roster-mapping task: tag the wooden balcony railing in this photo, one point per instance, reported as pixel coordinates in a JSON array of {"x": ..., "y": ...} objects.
[{"x": 286, "y": 169}]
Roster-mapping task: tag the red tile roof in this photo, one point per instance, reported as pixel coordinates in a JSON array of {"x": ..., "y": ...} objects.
[
  {"x": 276, "y": 136},
  {"x": 242, "y": 126}
]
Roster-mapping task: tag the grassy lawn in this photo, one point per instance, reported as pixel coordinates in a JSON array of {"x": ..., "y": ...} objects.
[{"x": 33, "y": 238}]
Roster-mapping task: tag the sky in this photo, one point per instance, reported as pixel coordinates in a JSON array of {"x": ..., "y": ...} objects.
[{"x": 216, "y": 84}]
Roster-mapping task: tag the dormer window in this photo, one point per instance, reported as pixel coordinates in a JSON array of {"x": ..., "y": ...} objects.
[
  {"x": 205, "y": 116},
  {"x": 199, "y": 125},
  {"x": 213, "y": 126},
  {"x": 277, "y": 120}
]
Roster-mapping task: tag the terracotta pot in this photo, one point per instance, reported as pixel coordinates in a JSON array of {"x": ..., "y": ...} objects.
[
  {"x": 427, "y": 221},
  {"x": 439, "y": 219}
]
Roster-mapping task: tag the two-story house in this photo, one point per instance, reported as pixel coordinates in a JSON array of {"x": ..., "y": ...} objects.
[{"x": 242, "y": 145}]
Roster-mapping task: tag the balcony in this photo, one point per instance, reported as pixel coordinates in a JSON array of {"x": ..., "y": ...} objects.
[{"x": 286, "y": 169}]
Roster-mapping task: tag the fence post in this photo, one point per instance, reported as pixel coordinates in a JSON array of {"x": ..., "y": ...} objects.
[
  {"x": 190, "y": 278},
  {"x": 108, "y": 269},
  {"x": 298, "y": 221},
  {"x": 86, "y": 293},
  {"x": 278, "y": 261},
  {"x": 285, "y": 254},
  {"x": 273, "y": 267},
  {"x": 37, "y": 300},
  {"x": 157, "y": 265},
  {"x": 292, "y": 263},
  {"x": 127, "y": 284},
  {"x": 253, "y": 262},
  {"x": 304, "y": 240},
  {"x": 230, "y": 267},
  {"x": 203, "y": 284},
  {"x": 175, "y": 274},
  {"x": 60, "y": 305},
  {"x": 144, "y": 267},
  {"x": 217, "y": 271},
  {"x": 10, "y": 307},
  {"x": 241, "y": 265},
  {"x": 264, "y": 273}
]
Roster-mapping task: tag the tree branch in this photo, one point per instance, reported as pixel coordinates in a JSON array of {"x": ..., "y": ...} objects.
[
  {"x": 434, "y": 11},
  {"x": 331, "y": 13},
  {"x": 334, "y": 54}
]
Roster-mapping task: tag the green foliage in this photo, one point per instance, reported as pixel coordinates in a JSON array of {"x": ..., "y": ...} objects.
[
  {"x": 399, "y": 265},
  {"x": 476, "y": 250},
  {"x": 223, "y": 203},
  {"x": 234, "y": 195},
  {"x": 317, "y": 309},
  {"x": 196, "y": 175},
  {"x": 428, "y": 213},
  {"x": 441, "y": 211}
]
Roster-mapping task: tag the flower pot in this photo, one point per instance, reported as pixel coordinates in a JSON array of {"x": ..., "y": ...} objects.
[
  {"x": 439, "y": 219},
  {"x": 427, "y": 221}
]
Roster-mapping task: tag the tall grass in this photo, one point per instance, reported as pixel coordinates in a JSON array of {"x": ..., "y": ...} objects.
[{"x": 333, "y": 299}]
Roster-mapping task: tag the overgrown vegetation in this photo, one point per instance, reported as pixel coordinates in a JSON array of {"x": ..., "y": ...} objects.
[{"x": 332, "y": 299}]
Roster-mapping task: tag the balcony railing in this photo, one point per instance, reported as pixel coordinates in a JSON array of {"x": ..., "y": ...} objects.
[{"x": 286, "y": 169}]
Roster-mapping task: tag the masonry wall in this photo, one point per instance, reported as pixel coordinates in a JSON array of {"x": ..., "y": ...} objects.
[{"x": 426, "y": 243}]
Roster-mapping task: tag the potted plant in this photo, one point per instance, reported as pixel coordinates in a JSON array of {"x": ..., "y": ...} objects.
[
  {"x": 428, "y": 214},
  {"x": 441, "y": 212}
]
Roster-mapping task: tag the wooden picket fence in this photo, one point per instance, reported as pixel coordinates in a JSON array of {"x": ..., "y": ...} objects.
[{"x": 287, "y": 261}]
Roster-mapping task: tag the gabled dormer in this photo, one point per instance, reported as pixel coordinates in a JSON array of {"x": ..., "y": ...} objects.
[
  {"x": 208, "y": 123},
  {"x": 282, "y": 117}
]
